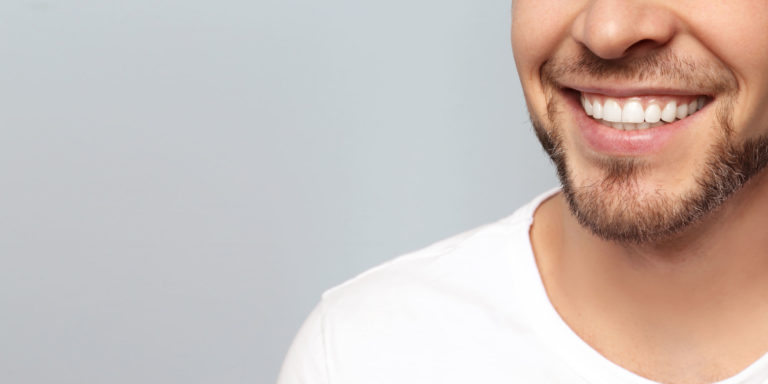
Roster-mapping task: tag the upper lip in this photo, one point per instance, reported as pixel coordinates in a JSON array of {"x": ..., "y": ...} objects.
[{"x": 633, "y": 90}]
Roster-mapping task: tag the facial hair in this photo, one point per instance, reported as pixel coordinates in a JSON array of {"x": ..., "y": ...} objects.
[{"x": 615, "y": 208}]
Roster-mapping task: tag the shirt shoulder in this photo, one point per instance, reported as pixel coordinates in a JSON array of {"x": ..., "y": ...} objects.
[
  {"x": 442, "y": 263},
  {"x": 466, "y": 261},
  {"x": 404, "y": 310}
]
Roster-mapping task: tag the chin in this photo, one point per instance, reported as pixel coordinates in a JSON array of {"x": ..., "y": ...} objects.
[{"x": 627, "y": 199}]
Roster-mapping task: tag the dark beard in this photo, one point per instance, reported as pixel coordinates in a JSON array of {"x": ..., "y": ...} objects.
[{"x": 614, "y": 208}]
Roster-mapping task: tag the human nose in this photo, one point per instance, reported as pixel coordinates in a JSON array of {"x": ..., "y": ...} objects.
[{"x": 613, "y": 29}]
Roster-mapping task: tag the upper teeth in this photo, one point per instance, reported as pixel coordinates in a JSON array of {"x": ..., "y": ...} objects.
[{"x": 640, "y": 112}]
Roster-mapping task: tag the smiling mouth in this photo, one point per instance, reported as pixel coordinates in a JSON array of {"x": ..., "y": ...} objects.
[{"x": 640, "y": 112}]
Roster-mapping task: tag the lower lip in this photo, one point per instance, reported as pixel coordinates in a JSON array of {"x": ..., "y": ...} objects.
[{"x": 611, "y": 141}]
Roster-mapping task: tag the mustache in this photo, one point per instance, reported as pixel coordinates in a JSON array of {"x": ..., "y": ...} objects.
[{"x": 659, "y": 67}]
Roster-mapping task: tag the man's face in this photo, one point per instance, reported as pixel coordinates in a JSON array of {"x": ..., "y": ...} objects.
[{"x": 654, "y": 111}]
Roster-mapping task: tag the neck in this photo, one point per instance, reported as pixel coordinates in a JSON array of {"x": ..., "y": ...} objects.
[
  {"x": 697, "y": 295},
  {"x": 729, "y": 244}
]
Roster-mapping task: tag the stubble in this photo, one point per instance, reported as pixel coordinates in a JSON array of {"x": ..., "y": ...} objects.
[{"x": 615, "y": 207}]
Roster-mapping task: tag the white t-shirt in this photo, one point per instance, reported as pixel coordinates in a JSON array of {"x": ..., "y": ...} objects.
[{"x": 469, "y": 309}]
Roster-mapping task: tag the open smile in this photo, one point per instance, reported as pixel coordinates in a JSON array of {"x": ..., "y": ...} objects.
[
  {"x": 623, "y": 123},
  {"x": 639, "y": 112}
]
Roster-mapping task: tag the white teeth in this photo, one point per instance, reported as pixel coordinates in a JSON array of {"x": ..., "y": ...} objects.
[
  {"x": 633, "y": 112},
  {"x": 587, "y": 106},
  {"x": 597, "y": 110},
  {"x": 669, "y": 112},
  {"x": 612, "y": 111},
  {"x": 653, "y": 114},
  {"x": 632, "y": 116}
]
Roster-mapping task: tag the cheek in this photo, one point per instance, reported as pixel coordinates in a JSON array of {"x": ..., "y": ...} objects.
[
  {"x": 751, "y": 52},
  {"x": 736, "y": 32},
  {"x": 538, "y": 27}
]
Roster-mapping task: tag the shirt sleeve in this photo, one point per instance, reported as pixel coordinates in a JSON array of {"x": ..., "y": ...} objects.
[{"x": 305, "y": 362}]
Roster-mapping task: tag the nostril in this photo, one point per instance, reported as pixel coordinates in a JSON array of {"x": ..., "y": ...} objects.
[{"x": 641, "y": 47}]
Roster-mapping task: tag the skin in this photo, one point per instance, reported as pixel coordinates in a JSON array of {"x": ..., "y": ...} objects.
[{"x": 691, "y": 308}]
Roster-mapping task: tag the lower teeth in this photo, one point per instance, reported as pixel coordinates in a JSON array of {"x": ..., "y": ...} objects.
[{"x": 630, "y": 126}]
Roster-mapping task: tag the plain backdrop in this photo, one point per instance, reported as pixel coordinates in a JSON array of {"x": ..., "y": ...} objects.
[{"x": 180, "y": 180}]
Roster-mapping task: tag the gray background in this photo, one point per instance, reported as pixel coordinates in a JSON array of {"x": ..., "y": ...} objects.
[{"x": 181, "y": 179}]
